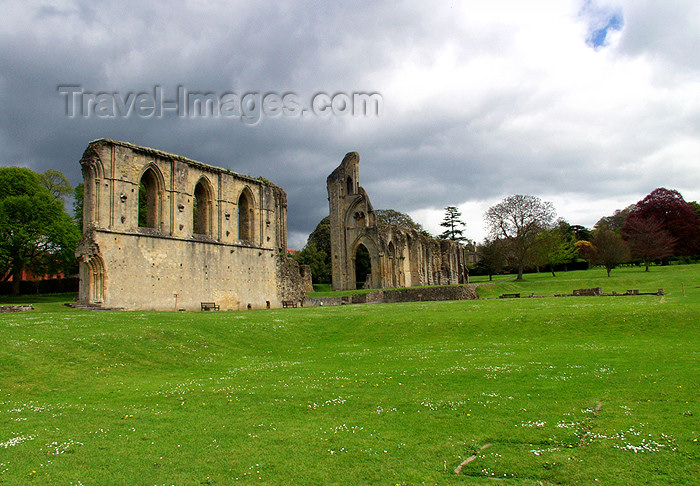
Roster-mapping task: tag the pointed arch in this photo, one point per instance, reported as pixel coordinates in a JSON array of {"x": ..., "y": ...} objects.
[
  {"x": 93, "y": 173},
  {"x": 356, "y": 215},
  {"x": 428, "y": 259},
  {"x": 95, "y": 274},
  {"x": 391, "y": 264},
  {"x": 150, "y": 205},
  {"x": 414, "y": 259},
  {"x": 364, "y": 263},
  {"x": 246, "y": 216},
  {"x": 203, "y": 208},
  {"x": 363, "y": 267}
]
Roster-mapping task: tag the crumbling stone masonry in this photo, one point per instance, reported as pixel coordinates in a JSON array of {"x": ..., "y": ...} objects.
[
  {"x": 200, "y": 234},
  {"x": 400, "y": 257}
]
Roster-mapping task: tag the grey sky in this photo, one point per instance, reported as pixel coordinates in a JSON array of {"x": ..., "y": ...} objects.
[{"x": 588, "y": 104}]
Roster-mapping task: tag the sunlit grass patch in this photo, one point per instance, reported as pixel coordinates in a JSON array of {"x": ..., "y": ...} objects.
[{"x": 565, "y": 391}]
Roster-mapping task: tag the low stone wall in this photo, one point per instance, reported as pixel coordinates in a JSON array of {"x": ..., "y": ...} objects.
[
  {"x": 369, "y": 298},
  {"x": 16, "y": 308},
  {"x": 460, "y": 292},
  {"x": 598, "y": 292},
  {"x": 320, "y": 301}
]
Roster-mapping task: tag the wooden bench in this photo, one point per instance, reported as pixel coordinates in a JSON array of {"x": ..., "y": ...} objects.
[
  {"x": 509, "y": 296},
  {"x": 288, "y": 303},
  {"x": 209, "y": 306}
]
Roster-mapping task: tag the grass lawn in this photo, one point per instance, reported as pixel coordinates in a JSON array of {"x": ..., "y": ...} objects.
[
  {"x": 588, "y": 390},
  {"x": 671, "y": 278}
]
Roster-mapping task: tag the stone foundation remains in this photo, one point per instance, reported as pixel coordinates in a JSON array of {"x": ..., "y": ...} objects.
[{"x": 416, "y": 294}]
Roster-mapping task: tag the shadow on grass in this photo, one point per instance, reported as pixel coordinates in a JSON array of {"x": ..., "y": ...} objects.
[{"x": 37, "y": 298}]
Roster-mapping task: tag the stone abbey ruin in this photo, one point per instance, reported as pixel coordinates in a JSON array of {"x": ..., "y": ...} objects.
[
  {"x": 162, "y": 232},
  {"x": 400, "y": 257},
  {"x": 208, "y": 235}
]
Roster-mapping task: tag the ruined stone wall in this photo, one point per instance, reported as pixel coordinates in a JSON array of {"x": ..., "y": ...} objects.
[
  {"x": 416, "y": 294},
  {"x": 460, "y": 292},
  {"x": 210, "y": 235},
  {"x": 293, "y": 284},
  {"x": 400, "y": 257},
  {"x": 306, "y": 277}
]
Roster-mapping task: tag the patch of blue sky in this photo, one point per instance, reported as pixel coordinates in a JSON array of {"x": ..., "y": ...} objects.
[
  {"x": 598, "y": 37},
  {"x": 601, "y": 21}
]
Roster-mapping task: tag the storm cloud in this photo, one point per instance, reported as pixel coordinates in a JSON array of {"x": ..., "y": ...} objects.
[{"x": 588, "y": 104}]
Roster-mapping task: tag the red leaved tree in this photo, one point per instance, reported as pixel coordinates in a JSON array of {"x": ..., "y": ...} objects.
[
  {"x": 677, "y": 217},
  {"x": 647, "y": 239}
]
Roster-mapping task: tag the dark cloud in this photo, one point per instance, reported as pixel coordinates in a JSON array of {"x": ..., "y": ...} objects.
[{"x": 479, "y": 101}]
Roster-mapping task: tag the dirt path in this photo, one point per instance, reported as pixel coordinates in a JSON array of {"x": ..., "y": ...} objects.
[{"x": 471, "y": 458}]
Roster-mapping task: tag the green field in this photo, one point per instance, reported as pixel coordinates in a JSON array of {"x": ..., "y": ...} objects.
[{"x": 588, "y": 390}]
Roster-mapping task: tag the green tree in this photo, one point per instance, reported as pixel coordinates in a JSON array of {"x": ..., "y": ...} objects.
[
  {"x": 317, "y": 252},
  {"x": 518, "y": 220},
  {"x": 35, "y": 231},
  {"x": 143, "y": 207},
  {"x": 696, "y": 206},
  {"x": 610, "y": 250},
  {"x": 454, "y": 225},
  {"x": 555, "y": 246},
  {"x": 492, "y": 257},
  {"x": 395, "y": 218},
  {"x": 321, "y": 236},
  {"x": 56, "y": 183},
  {"x": 580, "y": 232},
  {"x": 318, "y": 260},
  {"x": 616, "y": 221},
  {"x": 78, "y": 197}
]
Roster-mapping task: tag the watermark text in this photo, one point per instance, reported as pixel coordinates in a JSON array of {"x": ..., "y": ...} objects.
[{"x": 249, "y": 107}]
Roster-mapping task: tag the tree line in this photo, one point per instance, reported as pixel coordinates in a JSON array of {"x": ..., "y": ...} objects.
[
  {"x": 524, "y": 234},
  {"x": 36, "y": 232},
  {"x": 38, "y": 235}
]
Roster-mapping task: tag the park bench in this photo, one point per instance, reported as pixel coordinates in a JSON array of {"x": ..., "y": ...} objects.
[
  {"x": 209, "y": 306},
  {"x": 509, "y": 296},
  {"x": 288, "y": 303}
]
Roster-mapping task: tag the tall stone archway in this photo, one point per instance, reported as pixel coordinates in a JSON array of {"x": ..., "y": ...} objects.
[
  {"x": 92, "y": 280},
  {"x": 150, "y": 199},
  {"x": 391, "y": 265},
  {"x": 395, "y": 252},
  {"x": 203, "y": 204},
  {"x": 246, "y": 217},
  {"x": 362, "y": 260}
]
